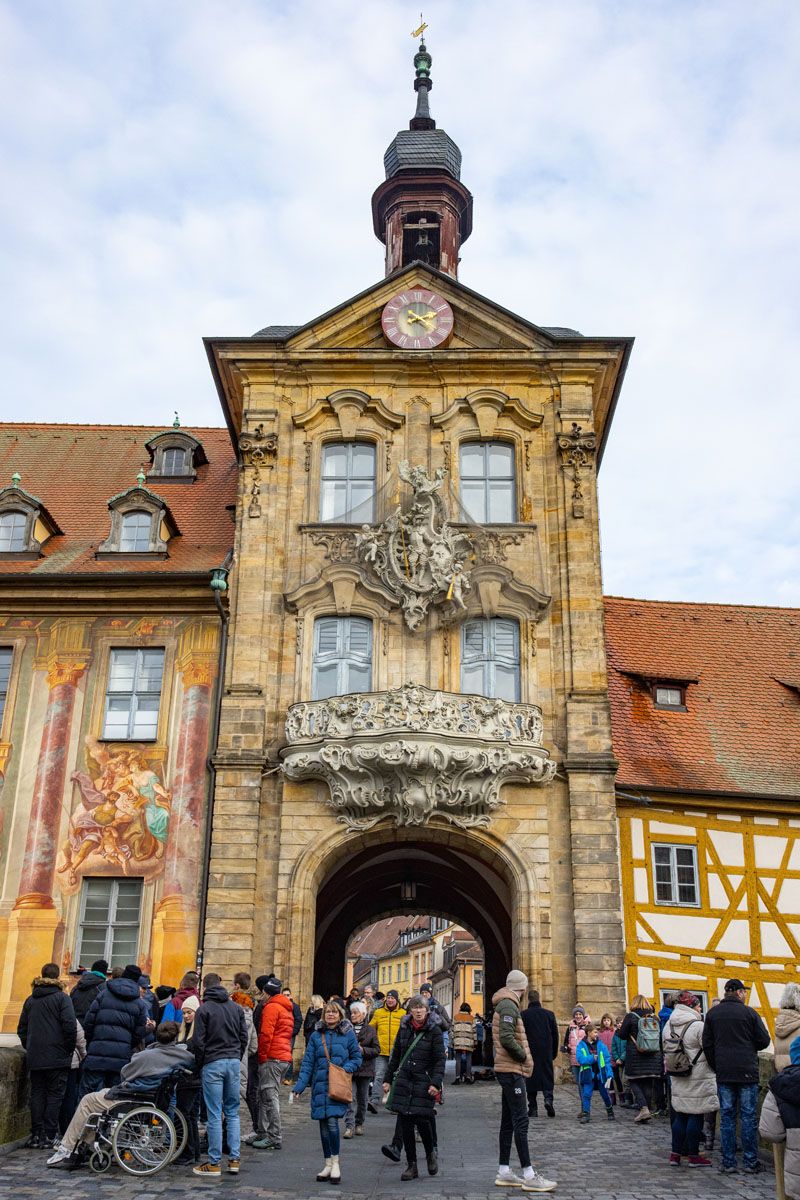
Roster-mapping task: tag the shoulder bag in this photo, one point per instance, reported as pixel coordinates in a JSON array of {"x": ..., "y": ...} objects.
[{"x": 340, "y": 1083}]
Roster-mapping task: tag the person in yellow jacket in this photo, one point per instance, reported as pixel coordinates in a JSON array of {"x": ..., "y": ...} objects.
[{"x": 387, "y": 1022}]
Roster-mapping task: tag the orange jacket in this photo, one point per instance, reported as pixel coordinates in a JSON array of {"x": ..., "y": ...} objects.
[{"x": 277, "y": 1023}]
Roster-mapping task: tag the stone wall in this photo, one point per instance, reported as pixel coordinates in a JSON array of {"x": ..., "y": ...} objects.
[{"x": 14, "y": 1115}]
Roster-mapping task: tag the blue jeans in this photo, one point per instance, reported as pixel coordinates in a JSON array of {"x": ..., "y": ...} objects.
[
  {"x": 743, "y": 1096},
  {"x": 329, "y": 1136},
  {"x": 221, "y": 1094},
  {"x": 686, "y": 1130},
  {"x": 464, "y": 1063}
]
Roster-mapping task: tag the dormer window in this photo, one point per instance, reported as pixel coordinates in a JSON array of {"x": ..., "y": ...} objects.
[
  {"x": 175, "y": 455},
  {"x": 136, "y": 532},
  {"x": 669, "y": 695},
  {"x": 12, "y": 531},
  {"x": 141, "y": 524},
  {"x": 25, "y": 523}
]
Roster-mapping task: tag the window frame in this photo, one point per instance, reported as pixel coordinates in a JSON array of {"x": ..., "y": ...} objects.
[
  {"x": 663, "y": 992},
  {"x": 675, "y": 901},
  {"x": 23, "y": 532},
  {"x": 489, "y": 659},
  {"x": 5, "y": 692},
  {"x": 112, "y": 915},
  {"x": 344, "y": 659},
  {"x": 486, "y": 478},
  {"x": 139, "y": 651},
  {"x": 477, "y": 972},
  {"x": 348, "y": 479},
  {"x": 138, "y": 513},
  {"x": 666, "y": 706}
]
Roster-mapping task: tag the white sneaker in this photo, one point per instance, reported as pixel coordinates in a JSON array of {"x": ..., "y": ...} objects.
[
  {"x": 508, "y": 1179},
  {"x": 59, "y": 1156},
  {"x": 538, "y": 1183}
]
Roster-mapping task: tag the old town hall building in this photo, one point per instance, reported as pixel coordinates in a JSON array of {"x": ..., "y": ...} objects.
[{"x": 349, "y": 657}]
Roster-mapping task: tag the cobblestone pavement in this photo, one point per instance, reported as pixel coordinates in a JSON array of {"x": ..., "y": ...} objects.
[{"x": 603, "y": 1161}]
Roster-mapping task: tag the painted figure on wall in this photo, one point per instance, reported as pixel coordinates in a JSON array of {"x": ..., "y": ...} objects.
[{"x": 122, "y": 818}]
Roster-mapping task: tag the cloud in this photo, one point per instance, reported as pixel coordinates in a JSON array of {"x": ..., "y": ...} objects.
[{"x": 172, "y": 171}]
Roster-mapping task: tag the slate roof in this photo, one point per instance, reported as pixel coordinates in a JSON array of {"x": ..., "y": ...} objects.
[
  {"x": 740, "y": 734},
  {"x": 422, "y": 150},
  {"x": 76, "y": 469}
]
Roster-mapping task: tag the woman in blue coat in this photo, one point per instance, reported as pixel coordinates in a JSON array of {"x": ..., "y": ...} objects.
[{"x": 344, "y": 1051}]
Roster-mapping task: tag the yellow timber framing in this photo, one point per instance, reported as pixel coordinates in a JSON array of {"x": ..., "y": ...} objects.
[{"x": 755, "y": 893}]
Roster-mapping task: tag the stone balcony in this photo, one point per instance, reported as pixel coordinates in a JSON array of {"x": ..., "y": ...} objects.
[{"x": 412, "y": 754}]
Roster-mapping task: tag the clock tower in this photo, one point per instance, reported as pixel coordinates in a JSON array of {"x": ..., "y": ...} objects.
[{"x": 422, "y": 212}]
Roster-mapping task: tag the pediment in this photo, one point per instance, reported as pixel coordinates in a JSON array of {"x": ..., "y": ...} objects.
[{"x": 479, "y": 323}]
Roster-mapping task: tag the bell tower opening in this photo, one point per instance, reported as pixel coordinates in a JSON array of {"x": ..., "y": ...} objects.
[{"x": 422, "y": 212}]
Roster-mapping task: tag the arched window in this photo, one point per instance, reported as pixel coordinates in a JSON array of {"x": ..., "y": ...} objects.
[
  {"x": 12, "y": 531},
  {"x": 488, "y": 487},
  {"x": 490, "y": 658},
  {"x": 347, "y": 485},
  {"x": 342, "y": 656},
  {"x": 173, "y": 461},
  {"x": 135, "y": 535}
]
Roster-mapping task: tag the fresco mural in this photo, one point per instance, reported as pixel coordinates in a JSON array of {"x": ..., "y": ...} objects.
[{"x": 121, "y": 821}]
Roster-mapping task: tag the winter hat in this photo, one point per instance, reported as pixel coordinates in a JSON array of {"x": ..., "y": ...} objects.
[
  {"x": 393, "y": 992},
  {"x": 578, "y": 1009},
  {"x": 191, "y": 1002},
  {"x": 144, "y": 981},
  {"x": 273, "y": 987},
  {"x": 516, "y": 981},
  {"x": 163, "y": 992},
  {"x": 132, "y": 972},
  {"x": 426, "y": 987},
  {"x": 262, "y": 981},
  {"x": 687, "y": 998},
  {"x": 794, "y": 1052},
  {"x": 100, "y": 965}
]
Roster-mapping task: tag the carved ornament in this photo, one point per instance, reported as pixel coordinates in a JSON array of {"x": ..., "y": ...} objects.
[
  {"x": 487, "y": 405},
  {"x": 349, "y": 406},
  {"x": 412, "y": 754},
  {"x": 259, "y": 448},
  {"x": 417, "y": 554},
  {"x": 577, "y": 450}
]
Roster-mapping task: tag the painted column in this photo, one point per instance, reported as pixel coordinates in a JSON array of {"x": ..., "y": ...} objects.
[
  {"x": 174, "y": 946},
  {"x": 34, "y": 920}
]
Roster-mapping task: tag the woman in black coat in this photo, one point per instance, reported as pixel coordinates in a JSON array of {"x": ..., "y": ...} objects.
[
  {"x": 642, "y": 1067},
  {"x": 414, "y": 1079},
  {"x": 542, "y": 1033}
]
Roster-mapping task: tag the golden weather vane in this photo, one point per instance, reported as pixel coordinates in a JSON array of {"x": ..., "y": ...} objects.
[{"x": 423, "y": 25}]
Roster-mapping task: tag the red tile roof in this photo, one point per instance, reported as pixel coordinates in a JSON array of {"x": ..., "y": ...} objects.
[
  {"x": 741, "y": 731},
  {"x": 76, "y": 469}
]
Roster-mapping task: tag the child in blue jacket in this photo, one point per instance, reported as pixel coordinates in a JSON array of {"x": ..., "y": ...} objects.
[{"x": 594, "y": 1063}]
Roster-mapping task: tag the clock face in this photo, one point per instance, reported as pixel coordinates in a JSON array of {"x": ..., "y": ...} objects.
[{"x": 417, "y": 320}]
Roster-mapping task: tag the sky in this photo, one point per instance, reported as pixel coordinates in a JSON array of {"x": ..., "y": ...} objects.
[{"x": 174, "y": 170}]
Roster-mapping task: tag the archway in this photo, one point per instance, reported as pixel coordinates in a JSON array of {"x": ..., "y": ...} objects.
[{"x": 441, "y": 877}]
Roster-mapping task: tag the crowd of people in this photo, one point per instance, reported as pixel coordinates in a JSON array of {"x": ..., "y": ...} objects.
[{"x": 112, "y": 1034}]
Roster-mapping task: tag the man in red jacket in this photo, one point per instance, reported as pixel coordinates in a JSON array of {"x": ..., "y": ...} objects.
[{"x": 274, "y": 1059}]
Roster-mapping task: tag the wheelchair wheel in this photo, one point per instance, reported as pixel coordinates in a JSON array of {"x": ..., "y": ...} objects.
[
  {"x": 99, "y": 1161},
  {"x": 181, "y": 1132},
  {"x": 143, "y": 1141}
]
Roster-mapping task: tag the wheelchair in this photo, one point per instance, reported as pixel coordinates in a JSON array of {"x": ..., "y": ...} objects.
[{"x": 142, "y": 1133}]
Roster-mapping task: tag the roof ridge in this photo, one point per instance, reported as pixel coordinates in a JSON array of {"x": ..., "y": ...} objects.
[
  {"x": 705, "y": 604},
  {"x": 90, "y": 425}
]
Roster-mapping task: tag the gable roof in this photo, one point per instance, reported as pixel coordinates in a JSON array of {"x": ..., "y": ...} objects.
[
  {"x": 508, "y": 331},
  {"x": 77, "y": 469},
  {"x": 740, "y": 734}
]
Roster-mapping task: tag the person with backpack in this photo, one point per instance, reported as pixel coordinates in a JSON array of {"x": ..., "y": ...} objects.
[
  {"x": 694, "y": 1085},
  {"x": 643, "y": 1055},
  {"x": 594, "y": 1062},
  {"x": 85, "y": 991},
  {"x": 733, "y": 1034}
]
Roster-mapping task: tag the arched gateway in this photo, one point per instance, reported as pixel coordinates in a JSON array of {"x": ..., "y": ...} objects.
[{"x": 415, "y": 693}]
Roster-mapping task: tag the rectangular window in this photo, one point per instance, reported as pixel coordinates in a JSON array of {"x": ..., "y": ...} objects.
[
  {"x": 675, "y": 875},
  {"x": 5, "y": 674},
  {"x": 701, "y": 996},
  {"x": 406, "y": 970},
  {"x": 109, "y": 921},
  {"x": 477, "y": 979},
  {"x": 342, "y": 660},
  {"x": 487, "y": 482},
  {"x": 133, "y": 696},
  {"x": 347, "y": 485},
  {"x": 490, "y": 658},
  {"x": 669, "y": 697}
]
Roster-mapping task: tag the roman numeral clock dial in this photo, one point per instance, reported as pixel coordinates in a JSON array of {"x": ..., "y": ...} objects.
[{"x": 417, "y": 320}]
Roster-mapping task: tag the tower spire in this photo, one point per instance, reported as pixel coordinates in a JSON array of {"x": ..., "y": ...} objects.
[{"x": 423, "y": 83}]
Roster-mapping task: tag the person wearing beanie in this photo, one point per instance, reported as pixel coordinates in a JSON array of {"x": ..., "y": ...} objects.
[
  {"x": 733, "y": 1034},
  {"x": 780, "y": 1119},
  {"x": 115, "y": 1025},
  {"x": 541, "y": 1031},
  {"x": 188, "y": 1090},
  {"x": 86, "y": 989},
  {"x": 275, "y": 1037},
  {"x": 594, "y": 1060},
  {"x": 47, "y": 1029},
  {"x": 513, "y": 1065},
  {"x": 387, "y": 1022},
  {"x": 219, "y": 1043}
]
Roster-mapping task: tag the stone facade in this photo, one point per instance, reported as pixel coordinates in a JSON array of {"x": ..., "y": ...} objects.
[{"x": 549, "y": 844}]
